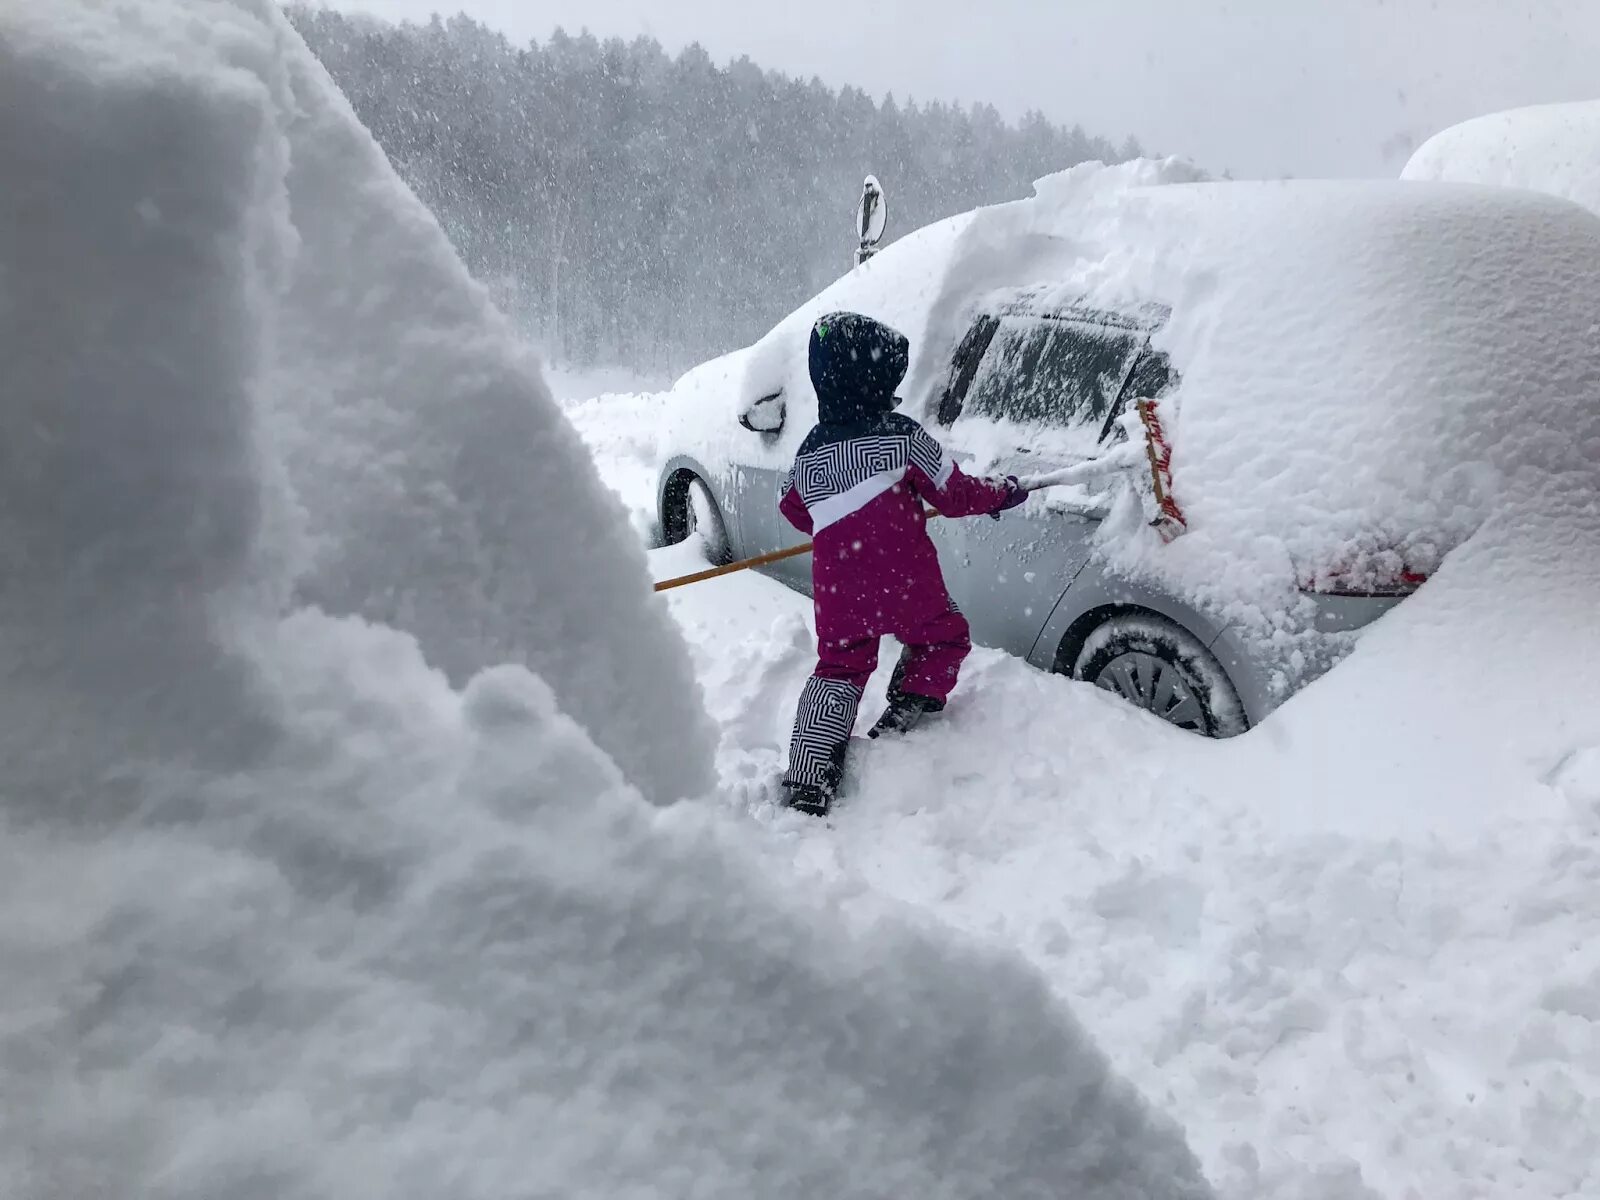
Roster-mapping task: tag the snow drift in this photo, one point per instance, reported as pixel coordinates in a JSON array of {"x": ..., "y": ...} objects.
[
  {"x": 1356, "y": 953},
  {"x": 288, "y": 912},
  {"x": 451, "y": 499},
  {"x": 1553, "y": 148}
]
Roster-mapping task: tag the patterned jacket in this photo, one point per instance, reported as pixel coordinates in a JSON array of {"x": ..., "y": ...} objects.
[{"x": 874, "y": 569}]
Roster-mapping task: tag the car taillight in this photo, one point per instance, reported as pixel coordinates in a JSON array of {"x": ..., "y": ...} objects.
[{"x": 1381, "y": 574}]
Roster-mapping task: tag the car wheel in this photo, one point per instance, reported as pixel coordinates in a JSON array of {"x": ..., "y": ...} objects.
[
  {"x": 1159, "y": 666},
  {"x": 691, "y": 512}
]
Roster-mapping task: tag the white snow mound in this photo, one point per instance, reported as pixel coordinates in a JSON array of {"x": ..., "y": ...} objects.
[
  {"x": 452, "y": 500},
  {"x": 287, "y": 913},
  {"x": 1553, "y": 148}
]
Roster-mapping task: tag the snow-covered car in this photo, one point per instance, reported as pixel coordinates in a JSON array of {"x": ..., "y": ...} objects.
[{"x": 1325, "y": 363}]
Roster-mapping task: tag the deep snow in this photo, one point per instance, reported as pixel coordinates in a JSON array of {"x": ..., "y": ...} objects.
[
  {"x": 301, "y": 904},
  {"x": 1356, "y": 952}
]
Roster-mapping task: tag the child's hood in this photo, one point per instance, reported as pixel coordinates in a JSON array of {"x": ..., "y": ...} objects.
[{"x": 856, "y": 364}]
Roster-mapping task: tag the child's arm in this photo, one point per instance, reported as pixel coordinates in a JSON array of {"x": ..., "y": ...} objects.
[
  {"x": 1118, "y": 458},
  {"x": 936, "y": 478},
  {"x": 793, "y": 508}
]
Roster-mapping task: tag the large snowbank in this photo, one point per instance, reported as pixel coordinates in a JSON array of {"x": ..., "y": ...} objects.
[
  {"x": 447, "y": 490},
  {"x": 1552, "y": 148},
  {"x": 288, "y": 911}
]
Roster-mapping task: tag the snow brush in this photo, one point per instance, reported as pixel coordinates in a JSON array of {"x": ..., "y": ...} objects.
[
  {"x": 1162, "y": 511},
  {"x": 772, "y": 556},
  {"x": 1153, "y": 450},
  {"x": 744, "y": 564}
]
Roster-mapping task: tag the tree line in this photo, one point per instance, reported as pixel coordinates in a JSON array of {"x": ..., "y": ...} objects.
[{"x": 629, "y": 206}]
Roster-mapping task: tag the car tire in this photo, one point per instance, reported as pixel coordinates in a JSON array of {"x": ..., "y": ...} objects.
[
  {"x": 1159, "y": 666},
  {"x": 690, "y": 511}
]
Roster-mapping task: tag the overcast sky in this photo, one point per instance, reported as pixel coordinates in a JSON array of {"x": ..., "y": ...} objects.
[{"x": 1262, "y": 87}]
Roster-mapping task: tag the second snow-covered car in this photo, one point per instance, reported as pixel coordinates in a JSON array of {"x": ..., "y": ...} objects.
[{"x": 1324, "y": 360}]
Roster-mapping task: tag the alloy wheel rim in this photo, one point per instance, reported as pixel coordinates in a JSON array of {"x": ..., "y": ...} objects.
[{"x": 1155, "y": 685}]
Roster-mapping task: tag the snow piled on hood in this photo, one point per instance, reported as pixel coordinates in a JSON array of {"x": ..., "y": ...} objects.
[
  {"x": 896, "y": 286},
  {"x": 289, "y": 911},
  {"x": 1552, "y": 148}
]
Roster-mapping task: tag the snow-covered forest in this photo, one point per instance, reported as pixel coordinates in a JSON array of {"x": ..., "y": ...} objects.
[{"x": 628, "y": 206}]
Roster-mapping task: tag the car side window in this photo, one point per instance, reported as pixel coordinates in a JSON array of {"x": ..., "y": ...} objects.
[
  {"x": 1152, "y": 377},
  {"x": 964, "y": 367},
  {"x": 1048, "y": 370}
]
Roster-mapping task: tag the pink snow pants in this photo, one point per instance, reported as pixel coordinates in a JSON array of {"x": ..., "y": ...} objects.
[
  {"x": 827, "y": 710},
  {"x": 934, "y": 651}
]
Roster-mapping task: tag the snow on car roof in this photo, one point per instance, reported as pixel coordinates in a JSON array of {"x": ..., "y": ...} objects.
[{"x": 1552, "y": 148}]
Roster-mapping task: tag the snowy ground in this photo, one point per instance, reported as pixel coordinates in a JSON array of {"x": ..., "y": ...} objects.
[{"x": 1395, "y": 998}]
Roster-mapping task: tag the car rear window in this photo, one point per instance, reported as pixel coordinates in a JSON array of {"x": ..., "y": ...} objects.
[{"x": 1047, "y": 370}]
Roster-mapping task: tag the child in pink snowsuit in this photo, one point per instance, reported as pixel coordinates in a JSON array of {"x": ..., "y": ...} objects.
[{"x": 858, "y": 486}]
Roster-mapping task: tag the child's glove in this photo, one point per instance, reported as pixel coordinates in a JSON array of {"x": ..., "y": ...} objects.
[{"x": 1015, "y": 495}]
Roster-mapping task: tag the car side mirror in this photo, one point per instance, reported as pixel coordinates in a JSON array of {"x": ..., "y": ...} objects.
[{"x": 765, "y": 415}]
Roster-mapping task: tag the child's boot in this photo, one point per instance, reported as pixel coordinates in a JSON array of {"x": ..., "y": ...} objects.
[
  {"x": 809, "y": 798},
  {"x": 905, "y": 711},
  {"x": 815, "y": 799}
]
